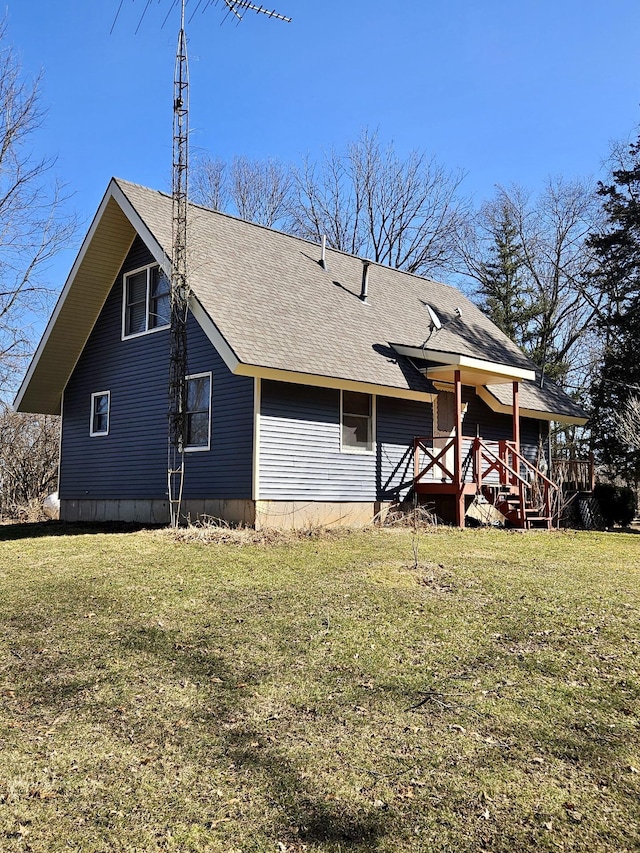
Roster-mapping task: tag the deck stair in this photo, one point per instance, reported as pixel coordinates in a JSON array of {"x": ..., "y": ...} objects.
[
  {"x": 507, "y": 502},
  {"x": 525, "y": 495},
  {"x": 495, "y": 469}
]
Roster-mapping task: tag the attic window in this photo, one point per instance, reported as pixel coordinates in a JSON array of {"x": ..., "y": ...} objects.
[{"x": 145, "y": 301}]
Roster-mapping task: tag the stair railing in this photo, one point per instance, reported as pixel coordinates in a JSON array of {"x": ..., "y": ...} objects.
[
  {"x": 497, "y": 461},
  {"x": 508, "y": 463},
  {"x": 536, "y": 477}
]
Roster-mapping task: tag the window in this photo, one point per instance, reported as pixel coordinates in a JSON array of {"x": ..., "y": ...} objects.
[
  {"x": 100, "y": 406},
  {"x": 146, "y": 301},
  {"x": 198, "y": 412},
  {"x": 357, "y": 422}
]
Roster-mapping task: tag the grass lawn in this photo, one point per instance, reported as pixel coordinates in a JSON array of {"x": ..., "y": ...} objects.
[{"x": 319, "y": 694}]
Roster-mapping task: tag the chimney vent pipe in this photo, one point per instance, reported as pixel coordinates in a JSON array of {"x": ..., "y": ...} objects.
[
  {"x": 323, "y": 256},
  {"x": 364, "y": 291}
]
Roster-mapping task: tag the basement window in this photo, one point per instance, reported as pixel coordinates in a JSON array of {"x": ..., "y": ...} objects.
[
  {"x": 145, "y": 302},
  {"x": 198, "y": 412},
  {"x": 100, "y": 409},
  {"x": 357, "y": 422}
]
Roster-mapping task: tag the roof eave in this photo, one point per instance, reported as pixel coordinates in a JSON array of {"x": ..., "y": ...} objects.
[
  {"x": 337, "y": 382},
  {"x": 101, "y": 256},
  {"x": 536, "y": 414},
  {"x": 475, "y": 369}
]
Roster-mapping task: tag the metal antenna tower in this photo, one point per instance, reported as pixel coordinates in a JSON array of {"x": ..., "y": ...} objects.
[
  {"x": 179, "y": 279},
  {"x": 179, "y": 294}
]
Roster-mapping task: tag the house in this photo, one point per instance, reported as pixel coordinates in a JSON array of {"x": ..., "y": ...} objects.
[{"x": 320, "y": 390}]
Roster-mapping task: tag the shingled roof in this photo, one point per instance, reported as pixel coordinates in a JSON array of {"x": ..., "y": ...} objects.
[{"x": 269, "y": 305}]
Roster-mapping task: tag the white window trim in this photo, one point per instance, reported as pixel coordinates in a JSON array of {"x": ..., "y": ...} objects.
[
  {"x": 200, "y": 447},
  {"x": 107, "y": 394},
  {"x": 124, "y": 336},
  {"x": 357, "y": 451}
]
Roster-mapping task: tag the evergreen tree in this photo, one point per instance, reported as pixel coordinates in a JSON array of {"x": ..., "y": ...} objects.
[
  {"x": 503, "y": 292},
  {"x": 617, "y": 248}
]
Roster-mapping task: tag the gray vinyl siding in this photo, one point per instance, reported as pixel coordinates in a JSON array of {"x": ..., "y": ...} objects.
[
  {"x": 480, "y": 420},
  {"x": 300, "y": 457},
  {"x": 131, "y": 461},
  {"x": 399, "y": 423},
  {"x": 493, "y": 426}
]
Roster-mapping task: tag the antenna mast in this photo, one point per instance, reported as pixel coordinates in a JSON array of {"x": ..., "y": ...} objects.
[
  {"x": 179, "y": 279},
  {"x": 180, "y": 290}
]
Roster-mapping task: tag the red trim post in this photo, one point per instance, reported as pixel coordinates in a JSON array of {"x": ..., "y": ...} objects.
[
  {"x": 458, "y": 452},
  {"x": 516, "y": 416}
]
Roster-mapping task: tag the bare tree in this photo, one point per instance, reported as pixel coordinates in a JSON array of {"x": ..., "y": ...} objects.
[
  {"x": 32, "y": 225},
  {"x": 550, "y": 261},
  {"x": 28, "y": 459},
  {"x": 209, "y": 183},
  {"x": 629, "y": 423},
  {"x": 366, "y": 201},
  {"x": 256, "y": 190},
  {"x": 401, "y": 212},
  {"x": 260, "y": 190},
  {"x": 327, "y": 202}
]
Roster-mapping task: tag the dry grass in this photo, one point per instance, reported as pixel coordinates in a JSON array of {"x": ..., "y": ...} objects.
[{"x": 319, "y": 694}]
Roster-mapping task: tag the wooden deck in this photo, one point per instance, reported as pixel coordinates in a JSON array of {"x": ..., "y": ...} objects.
[{"x": 495, "y": 470}]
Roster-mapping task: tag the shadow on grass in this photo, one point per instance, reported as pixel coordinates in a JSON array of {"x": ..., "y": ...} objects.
[
  {"x": 40, "y": 529},
  {"x": 311, "y": 816},
  {"x": 86, "y": 686},
  {"x": 585, "y": 725}
]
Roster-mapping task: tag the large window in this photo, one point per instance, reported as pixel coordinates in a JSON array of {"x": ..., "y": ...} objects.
[
  {"x": 357, "y": 422},
  {"x": 100, "y": 406},
  {"x": 198, "y": 412},
  {"x": 146, "y": 303}
]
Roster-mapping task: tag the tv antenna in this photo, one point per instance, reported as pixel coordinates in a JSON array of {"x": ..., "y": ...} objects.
[{"x": 180, "y": 290}]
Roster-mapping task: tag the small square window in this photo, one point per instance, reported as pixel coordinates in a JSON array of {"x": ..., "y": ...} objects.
[
  {"x": 357, "y": 422},
  {"x": 100, "y": 410}
]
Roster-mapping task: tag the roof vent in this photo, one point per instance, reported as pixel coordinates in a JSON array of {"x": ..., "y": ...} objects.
[
  {"x": 364, "y": 290},
  {"x": 323, "y": 256}
]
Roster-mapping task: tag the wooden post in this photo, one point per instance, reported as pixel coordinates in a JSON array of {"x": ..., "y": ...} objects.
[
  {"x": 516, "y": 416},
  {"x": 458, "y": 452}
]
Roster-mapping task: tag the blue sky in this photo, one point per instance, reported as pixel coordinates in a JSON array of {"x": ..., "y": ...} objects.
[{"x": 509, "y": 92}]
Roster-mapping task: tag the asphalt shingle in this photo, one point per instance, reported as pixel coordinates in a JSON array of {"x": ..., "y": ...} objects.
[{"x": 278, "y": 308}]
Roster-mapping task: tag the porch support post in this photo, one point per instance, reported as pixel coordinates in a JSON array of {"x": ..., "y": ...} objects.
[
  {"x": 516, "y": 416},
  {"x": 458, "y": 452}
]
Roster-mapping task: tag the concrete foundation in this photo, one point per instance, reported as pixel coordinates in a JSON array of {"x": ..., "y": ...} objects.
[
  {"x": 285, "y": 515},
  {"x": 146, "y": 511},
  {"x": 294, "y": 515}
]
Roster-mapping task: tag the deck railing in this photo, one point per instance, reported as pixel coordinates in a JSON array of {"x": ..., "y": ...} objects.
[
  {"x": 434, "y": 457},
  {"x": 484, "y": 463},
  {"x": 574, "y": 475}
]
